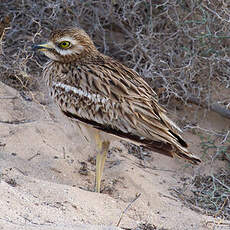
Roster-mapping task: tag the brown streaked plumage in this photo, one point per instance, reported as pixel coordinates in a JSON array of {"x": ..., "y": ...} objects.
[{"x": 107, "y": 97}]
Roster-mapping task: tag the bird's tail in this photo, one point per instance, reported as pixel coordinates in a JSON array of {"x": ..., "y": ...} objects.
[{"x": 171, "y": 151}]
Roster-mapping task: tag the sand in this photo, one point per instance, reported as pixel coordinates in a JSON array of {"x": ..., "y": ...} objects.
[{"x": 47, "y": 178}]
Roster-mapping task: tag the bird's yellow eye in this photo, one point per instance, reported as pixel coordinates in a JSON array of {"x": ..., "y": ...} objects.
[{"x": 64, "y": 44}]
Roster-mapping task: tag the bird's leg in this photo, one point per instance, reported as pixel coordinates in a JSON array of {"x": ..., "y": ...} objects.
[{"x": 100, "y": 161}]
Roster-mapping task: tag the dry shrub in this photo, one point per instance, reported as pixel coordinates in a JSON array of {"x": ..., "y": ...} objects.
[
  {"x": 210, "y": 193},
  {"x": 180, "y": 47}
]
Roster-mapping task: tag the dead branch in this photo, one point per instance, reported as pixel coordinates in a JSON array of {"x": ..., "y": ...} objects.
[
  {"x": 129, "y": 205},
  {"x": 214, "y": 107},
  {"x": 17, "y": 122}
]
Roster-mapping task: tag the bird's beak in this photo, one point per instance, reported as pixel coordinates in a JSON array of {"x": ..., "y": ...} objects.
[{"x": 41, "y": 47}]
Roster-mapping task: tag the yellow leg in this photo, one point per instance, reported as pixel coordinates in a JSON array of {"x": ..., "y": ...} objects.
[{"x": 100, "y": 162}]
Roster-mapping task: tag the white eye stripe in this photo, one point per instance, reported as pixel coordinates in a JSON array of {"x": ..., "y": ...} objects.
[
  {"x": 67, "y": 38},
  {"x": 64, "y": 52},
  {"x": 78, "y": 49}
]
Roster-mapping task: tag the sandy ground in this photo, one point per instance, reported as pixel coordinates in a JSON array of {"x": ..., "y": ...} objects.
[{"x": 47, "y": 177}]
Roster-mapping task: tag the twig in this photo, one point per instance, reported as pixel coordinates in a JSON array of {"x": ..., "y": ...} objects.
[
  {"x": 16, "y": 122},
  {"x": 207, "y": 131},
  {"x": 23, "y": 173},
  {"x": 14, "y": 97},
  {"x": 210, "y": 224},
  {"x": 32, "y": 157},
  {"x": 222, "y": 206},
  {"x": 225, "y": 138},
  {"x": 214, "y": 178},
  {"x": 137, "y": 196}
]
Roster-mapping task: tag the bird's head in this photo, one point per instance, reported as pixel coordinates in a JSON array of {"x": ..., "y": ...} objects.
[{"x": 67, "y": 45}]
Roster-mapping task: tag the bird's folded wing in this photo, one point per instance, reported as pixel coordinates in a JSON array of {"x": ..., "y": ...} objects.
[{"x": 113, "y": 98}]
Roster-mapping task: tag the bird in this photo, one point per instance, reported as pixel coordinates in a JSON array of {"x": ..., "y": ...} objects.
[{"x": 112, "y": 101}]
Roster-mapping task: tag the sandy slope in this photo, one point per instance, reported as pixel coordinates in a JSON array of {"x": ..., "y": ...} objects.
[{"x": 41, "y": 187}]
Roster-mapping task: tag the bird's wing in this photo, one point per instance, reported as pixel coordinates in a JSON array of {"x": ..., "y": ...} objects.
[{"x": 115, "y": 99}]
